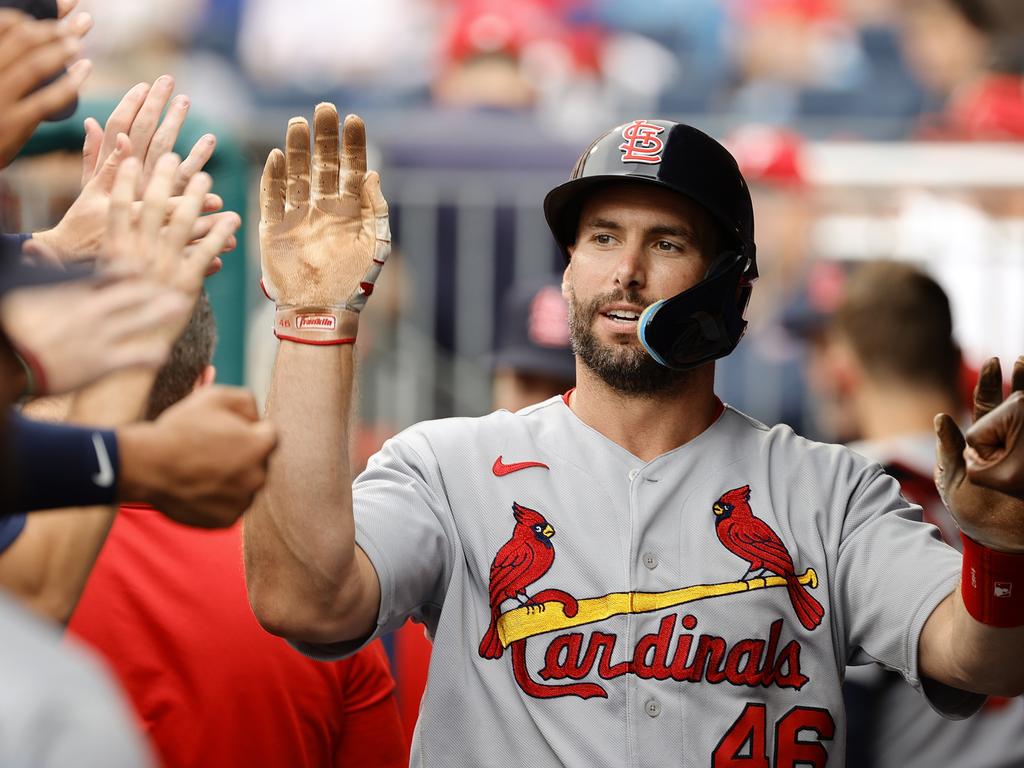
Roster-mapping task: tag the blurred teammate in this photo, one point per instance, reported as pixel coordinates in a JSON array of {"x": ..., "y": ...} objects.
[
  {"x": 894, "y": 364},
  {"x": 166, "y": 606},
  {"x": 533, "y": 360}
]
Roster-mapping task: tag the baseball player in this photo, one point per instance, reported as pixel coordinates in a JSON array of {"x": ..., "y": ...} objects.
[{"x": 631, "y": 574}]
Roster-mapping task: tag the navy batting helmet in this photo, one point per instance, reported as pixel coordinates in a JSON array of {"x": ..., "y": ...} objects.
[{"x": 706, "y": 321}]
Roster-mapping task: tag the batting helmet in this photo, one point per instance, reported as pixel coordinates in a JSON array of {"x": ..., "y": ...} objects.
[{"x": 706, "y": 321}]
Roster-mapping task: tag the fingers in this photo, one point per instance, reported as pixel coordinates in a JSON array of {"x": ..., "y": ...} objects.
[
  {"x": 179, "y": 229},
  {"x": 120, "y": 120},
  {"x": 119, "y": 240},
  {"x": 33, "y": 51},
  {"x": 108, "y": 171},
  {"x": 353, "y": 156},
  {"x": 995, "y": 451},
  {"x": 197, "y": 158},
  {"x": 949, "y": 460},
  {"x": 50, "y": 98},
  {"x": 166, "y": 135},
  {"x": 156, "y": 200},
  {"x": 297, "y": 162},
  {"x": 64, "y": 7},
  {"x": 147, "y": 119},
  {"x": 1017, "y": 377},
  {"x": 201, "y": 228},
  {"x": 988, "y": 392},
  {"x": 272, "y": 188},
  {"x": 201, "y": 256},
  {"x": 91, "y": 149},
  {"x": 326, "y": 159}
]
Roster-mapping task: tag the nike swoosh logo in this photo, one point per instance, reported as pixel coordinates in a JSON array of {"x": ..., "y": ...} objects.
[
  {"x": 501, "y": 469},
  {"x": 105, "y": 477}
]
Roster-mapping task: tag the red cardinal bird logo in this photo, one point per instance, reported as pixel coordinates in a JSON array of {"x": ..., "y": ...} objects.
[
  {"x": 521, "y": 561},
  {"x": 751, "y": 539}
]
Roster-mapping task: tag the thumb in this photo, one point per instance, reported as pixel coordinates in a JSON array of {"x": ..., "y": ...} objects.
[
  {"x": 265, "y": 435},
  {"x": 950, "y": 469},
  {"x": 104, "y": 179}
]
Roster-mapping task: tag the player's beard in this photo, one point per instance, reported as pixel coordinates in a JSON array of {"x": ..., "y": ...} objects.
[{"x": 626, "y": 368}]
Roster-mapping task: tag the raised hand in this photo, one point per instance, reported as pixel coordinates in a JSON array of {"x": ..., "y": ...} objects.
[
  {"x": 995, "y": 444},
  {"x": 134, "y": 129},
  {"x": 31, "y": 52},
  {"x": 324, "y": 231},
  {"x": 988, "y": 516},
  {"x": 144, "y": 244},
  {"x": 72, "y": 334}
]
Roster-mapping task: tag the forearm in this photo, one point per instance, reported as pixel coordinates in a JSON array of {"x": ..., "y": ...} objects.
[
  {"x": 48, "y": 565},
  {"x": 300, "y": 534},
  {"x": 960, "y": 651}
]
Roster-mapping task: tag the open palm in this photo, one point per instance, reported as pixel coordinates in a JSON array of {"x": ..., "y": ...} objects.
[{"x": 324, "y": 222}]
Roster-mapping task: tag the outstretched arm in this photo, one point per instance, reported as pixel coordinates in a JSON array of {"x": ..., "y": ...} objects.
[
  {"x": 973, "y": 639},
  {"x": 323, "y": 238}
]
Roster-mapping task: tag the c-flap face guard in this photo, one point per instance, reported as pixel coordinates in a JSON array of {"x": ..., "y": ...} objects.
[{"x": 702, "y": 323}]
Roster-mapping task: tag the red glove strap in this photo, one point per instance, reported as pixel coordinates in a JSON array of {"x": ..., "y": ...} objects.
[
  {"x": 319, "y": 326},
  {"x": 992, "y": 584}
]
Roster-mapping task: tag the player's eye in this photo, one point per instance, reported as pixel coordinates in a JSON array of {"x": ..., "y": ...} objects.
[
  {"x": 667, "y": 246},
  {"x": 602, "y": 238}
]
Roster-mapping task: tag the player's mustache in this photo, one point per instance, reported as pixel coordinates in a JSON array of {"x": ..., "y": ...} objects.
[{"x": 630, "y": 297}]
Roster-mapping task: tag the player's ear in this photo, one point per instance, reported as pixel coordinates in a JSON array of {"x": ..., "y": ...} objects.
[
  {"x": 567, "y": 277},
  {"x": 206, "y": 378}
]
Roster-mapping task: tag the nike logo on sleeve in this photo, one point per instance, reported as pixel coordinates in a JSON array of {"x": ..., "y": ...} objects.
[
  {"x": 105, "y": 477},
  {"x": 501, "y": 469}
]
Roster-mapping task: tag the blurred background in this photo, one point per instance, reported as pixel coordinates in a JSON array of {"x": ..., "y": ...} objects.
[{"x": 867, "y": 129}]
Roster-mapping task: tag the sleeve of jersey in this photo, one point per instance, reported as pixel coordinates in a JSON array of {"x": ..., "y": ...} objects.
[
  {"x": 406, "y": 528},
  {"x": 892, "y": 572}
]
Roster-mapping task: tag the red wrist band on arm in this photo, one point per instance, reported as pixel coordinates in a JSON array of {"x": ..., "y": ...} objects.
[
  {"x": 992, "y": 585},
  {"x": 320, "y": 326}
]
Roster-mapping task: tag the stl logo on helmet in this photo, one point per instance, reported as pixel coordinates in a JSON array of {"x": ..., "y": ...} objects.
[{"x": 642, "y": 144}]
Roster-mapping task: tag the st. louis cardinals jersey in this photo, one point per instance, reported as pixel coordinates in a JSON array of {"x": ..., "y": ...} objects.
[{"x": 592, "y": 609}]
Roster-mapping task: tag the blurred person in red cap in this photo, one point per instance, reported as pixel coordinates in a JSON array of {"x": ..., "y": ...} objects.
[
  {"x": 970, "y": 55},
  {"x": 533, "y": 359}
]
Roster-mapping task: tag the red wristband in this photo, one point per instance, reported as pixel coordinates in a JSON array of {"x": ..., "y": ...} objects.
[
  {"x": 992, "y": 585},
  {"x": 35, "y": 375}
]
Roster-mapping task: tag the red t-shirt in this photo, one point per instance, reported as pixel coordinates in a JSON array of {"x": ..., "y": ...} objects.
[{"x": 166, "y": 606}]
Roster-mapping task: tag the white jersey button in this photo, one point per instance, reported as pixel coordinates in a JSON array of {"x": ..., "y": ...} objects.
[
  {"x": 652, "y": 708},
  {"x": 633, "y": 473},
  {"x": 650, "y": 560}
]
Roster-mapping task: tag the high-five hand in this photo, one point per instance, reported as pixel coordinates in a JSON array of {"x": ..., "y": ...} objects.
[
  {"x": 987, "y": 516},
  {"x": 322, "y": 243}
]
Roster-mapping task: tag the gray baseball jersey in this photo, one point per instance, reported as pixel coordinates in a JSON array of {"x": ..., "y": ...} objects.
[
  {"x": 900, "y": 730},
  {"x": 592, "y": 609}
]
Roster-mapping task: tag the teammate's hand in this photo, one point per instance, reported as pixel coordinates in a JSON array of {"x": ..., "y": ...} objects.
[
  {"x": 988, "y": 516},
  {"x": 31, "y": 52},
  {"x": 995, "y": 444},
  {"x": 202, "y": 461},
  {"x": 145, "y": 245},
  {"x": 322, "y": 244},
  {"x": 134, "y": 129},
  {"x": 74, "y": 333}
]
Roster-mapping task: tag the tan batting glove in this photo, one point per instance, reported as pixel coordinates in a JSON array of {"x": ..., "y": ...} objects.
[{"x": 321, "y": 253}]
